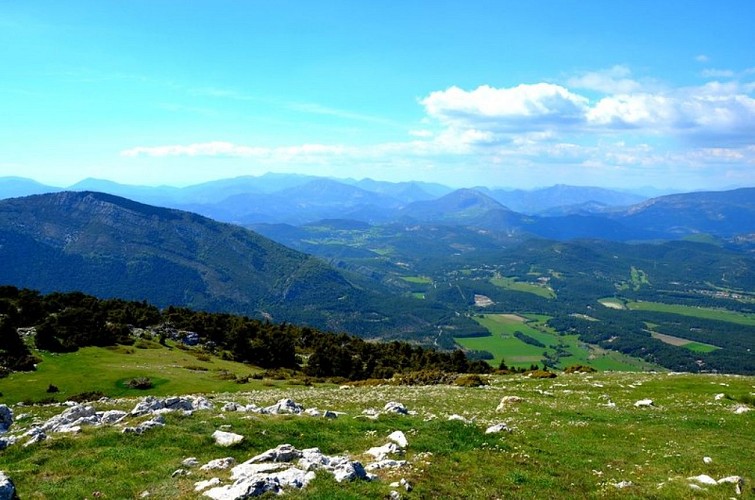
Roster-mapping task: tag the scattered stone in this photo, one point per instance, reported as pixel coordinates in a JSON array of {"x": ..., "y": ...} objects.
[
  {"x": 281, "y": 453},
  {"x": 460, "y": 418},
  {"x": 231, "y": 406},
  {"x": 330, "y": 414},
  {"x": 259, "y": 484},
  {"x": 704, "y": 479},
  {"x": 7, "y": 488},
  {"x": 37, "y": 435},
  {"x": 156, "y": 421},
  {"x": 285, "y": 406},
  {"x": 495, "y": 429},
  {"x": 7, "y": 441},
  {"x": 385, "y": 464},
  {"x": 312, "y": 412},
  {"x": 112, "y": 417},
  {"x": 644, "y": 403},
  {"x": 707, "y": 460},
  {"x": 506, "y": 401},
  {"x": 382, "y": 452},
  {"x": 623, "y": 484},
  {"x": 399, "y": 438},
  {"x": 394, "y": 407},
  {"x": 740, "y": 409},
  {"x": 219, "y": 464},
  {"x": 189, "y": 404},
  {"x": 719, "y": 396},
  {"x": 406, "y": 484},
  {"x": 203, "y": 485},
  {"x": 394, "y": 495},
  {"x": 190, "y": 462},
  {"x": 6, "y": 418},
  {"x": 179, "y": 472},
  {"x": 223, "y": 438},
  {"x": 737, "y": 481}
]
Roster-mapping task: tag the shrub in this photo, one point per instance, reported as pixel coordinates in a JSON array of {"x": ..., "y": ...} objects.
[
  {"x": 425, "y": 377},
  {"x": 469, "y": 380},
  {"x": 83, "y": 397},
  {"x": 52, "y": 389},
  {"x": 541, "y": 374},
  {"x": 579, "y": 369},
  {"x": 139, "y": 383}
]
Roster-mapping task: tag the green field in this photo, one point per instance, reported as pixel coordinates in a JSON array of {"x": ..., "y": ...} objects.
[
  {"x": 521, "y": 286},
  {"x": 696, "y": 312},
  {"x": 107, "y": 370},
  {"x": 420, "y": 280},
  {"x": 505, "y": 346}
]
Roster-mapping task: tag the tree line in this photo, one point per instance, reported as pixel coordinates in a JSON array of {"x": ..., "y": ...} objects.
[{"x": 63, "y": 322}]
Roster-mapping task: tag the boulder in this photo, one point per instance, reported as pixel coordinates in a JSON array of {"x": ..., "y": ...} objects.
[
  {"x": 399, "y": 438},
  {"x": 644, "y": 403},
  {"x": 223, "y": 438},
  {"x": 72, "y": 419},
  {"x": 156, "y": 421},
  {"x": 190, "y": 462},
  {"x": 256, "y": 485},
  {"x": 7, "y": 441},
  {"x": 494, "y": 429},
  {"x": 506, "y": 401},
  {"x": 7, "y": 488},
  {"x": 203, "y": 485},
  {"x": 382, "y": 452},
  {"x": 704, "y": 479},
  {"x": 6, "y": 418},
  {"x": 385, "y": 464},
  {"x": 112, "y": 417},
  {"x": 285, "y": 406},
  {"x": 394, "y": 407},
  {"x": 459, "y": 418},
  {"x": 219, "y": 464},
  {"x": 281, "y": 453}
]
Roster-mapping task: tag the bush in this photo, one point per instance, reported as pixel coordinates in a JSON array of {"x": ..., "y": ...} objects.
[
  {"x": 52, "y": 389},
  {"x": 469, "y": 380},
  {"x": 579, "y": 369},
  {"x": 540, "y": 374},
  {"x": 83, "y": 397},
  {"x": 139, "y": 383}
]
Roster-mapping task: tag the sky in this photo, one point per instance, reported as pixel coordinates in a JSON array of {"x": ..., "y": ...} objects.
[{"x": 619, "y": 94}]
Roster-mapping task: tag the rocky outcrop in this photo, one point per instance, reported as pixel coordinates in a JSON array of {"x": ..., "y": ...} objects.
[
  {"x": 6, "y": 418},
  {"x": 7, "y": 488},
  {"x": 273, "y": 471},
  {"x": 187, "y": 404}
]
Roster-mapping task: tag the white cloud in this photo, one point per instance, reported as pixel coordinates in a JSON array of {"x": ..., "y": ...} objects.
[
  {"x": 702, "y": 58},
  {"x": 717, "y": 73},
  {"x": 506, "y": 108},
  {"x": 614, "y": 80}
]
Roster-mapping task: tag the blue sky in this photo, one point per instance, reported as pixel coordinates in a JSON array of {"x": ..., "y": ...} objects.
[{"x": 500, "y": 93}]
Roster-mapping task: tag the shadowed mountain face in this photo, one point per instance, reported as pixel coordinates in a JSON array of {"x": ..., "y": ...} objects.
[{"x": 113, "y": 247}]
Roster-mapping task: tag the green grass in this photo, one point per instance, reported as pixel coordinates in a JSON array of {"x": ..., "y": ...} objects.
[
  {"x": 108, "y": 370},
  {"x": 520, "y": 286},
  {"x": 700, "y": 347},
  {"x": 566, "y": 443},
  {"x": 503, "y": 345},
  {"x": 696, "y": 312},
  {"x": 420, "y": 280}
]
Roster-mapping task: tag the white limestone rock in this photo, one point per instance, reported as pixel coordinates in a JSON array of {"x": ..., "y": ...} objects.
[
  {"x": 395, "y": 407},
  {"x": 219, "y": 464},
  {"x": 644, "y": 403},
  {"x": 223, "y": 438},
  {"x": 704, "y": 479},
  {"x": 507, "y": 401},
  {"x": 495, "y": 429},
  {"x": 7, "y": 488},
  {"x": 399, "y": 438}
]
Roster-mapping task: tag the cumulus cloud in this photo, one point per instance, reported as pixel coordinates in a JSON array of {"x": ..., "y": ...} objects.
[
  {"x": 615, "y": 80},
  {"x": 523, "y": 106}
]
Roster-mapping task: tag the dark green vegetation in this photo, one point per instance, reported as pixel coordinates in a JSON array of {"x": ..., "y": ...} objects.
[
  {"x": 567, "y": 441},
  {"x": 66, "y": 322},
  {"x": 706, "y": 291},
  {"x": 425, "y": 272},
  {"x": 115, "y": 248}
]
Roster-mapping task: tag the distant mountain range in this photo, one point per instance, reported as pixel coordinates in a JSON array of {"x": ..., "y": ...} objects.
[
  {"x": 559, "y": 212},
  {"x": 114, "y": 247}
]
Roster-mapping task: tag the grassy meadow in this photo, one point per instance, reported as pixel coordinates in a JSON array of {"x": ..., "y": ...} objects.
[{"x": 575, "y": 436}]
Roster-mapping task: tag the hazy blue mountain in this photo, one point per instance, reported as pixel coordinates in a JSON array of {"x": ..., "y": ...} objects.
[
  {"x": 13, "y": 187},
  {"x": 547, "y": 200},
  {"x": 719, "y": 213}
]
